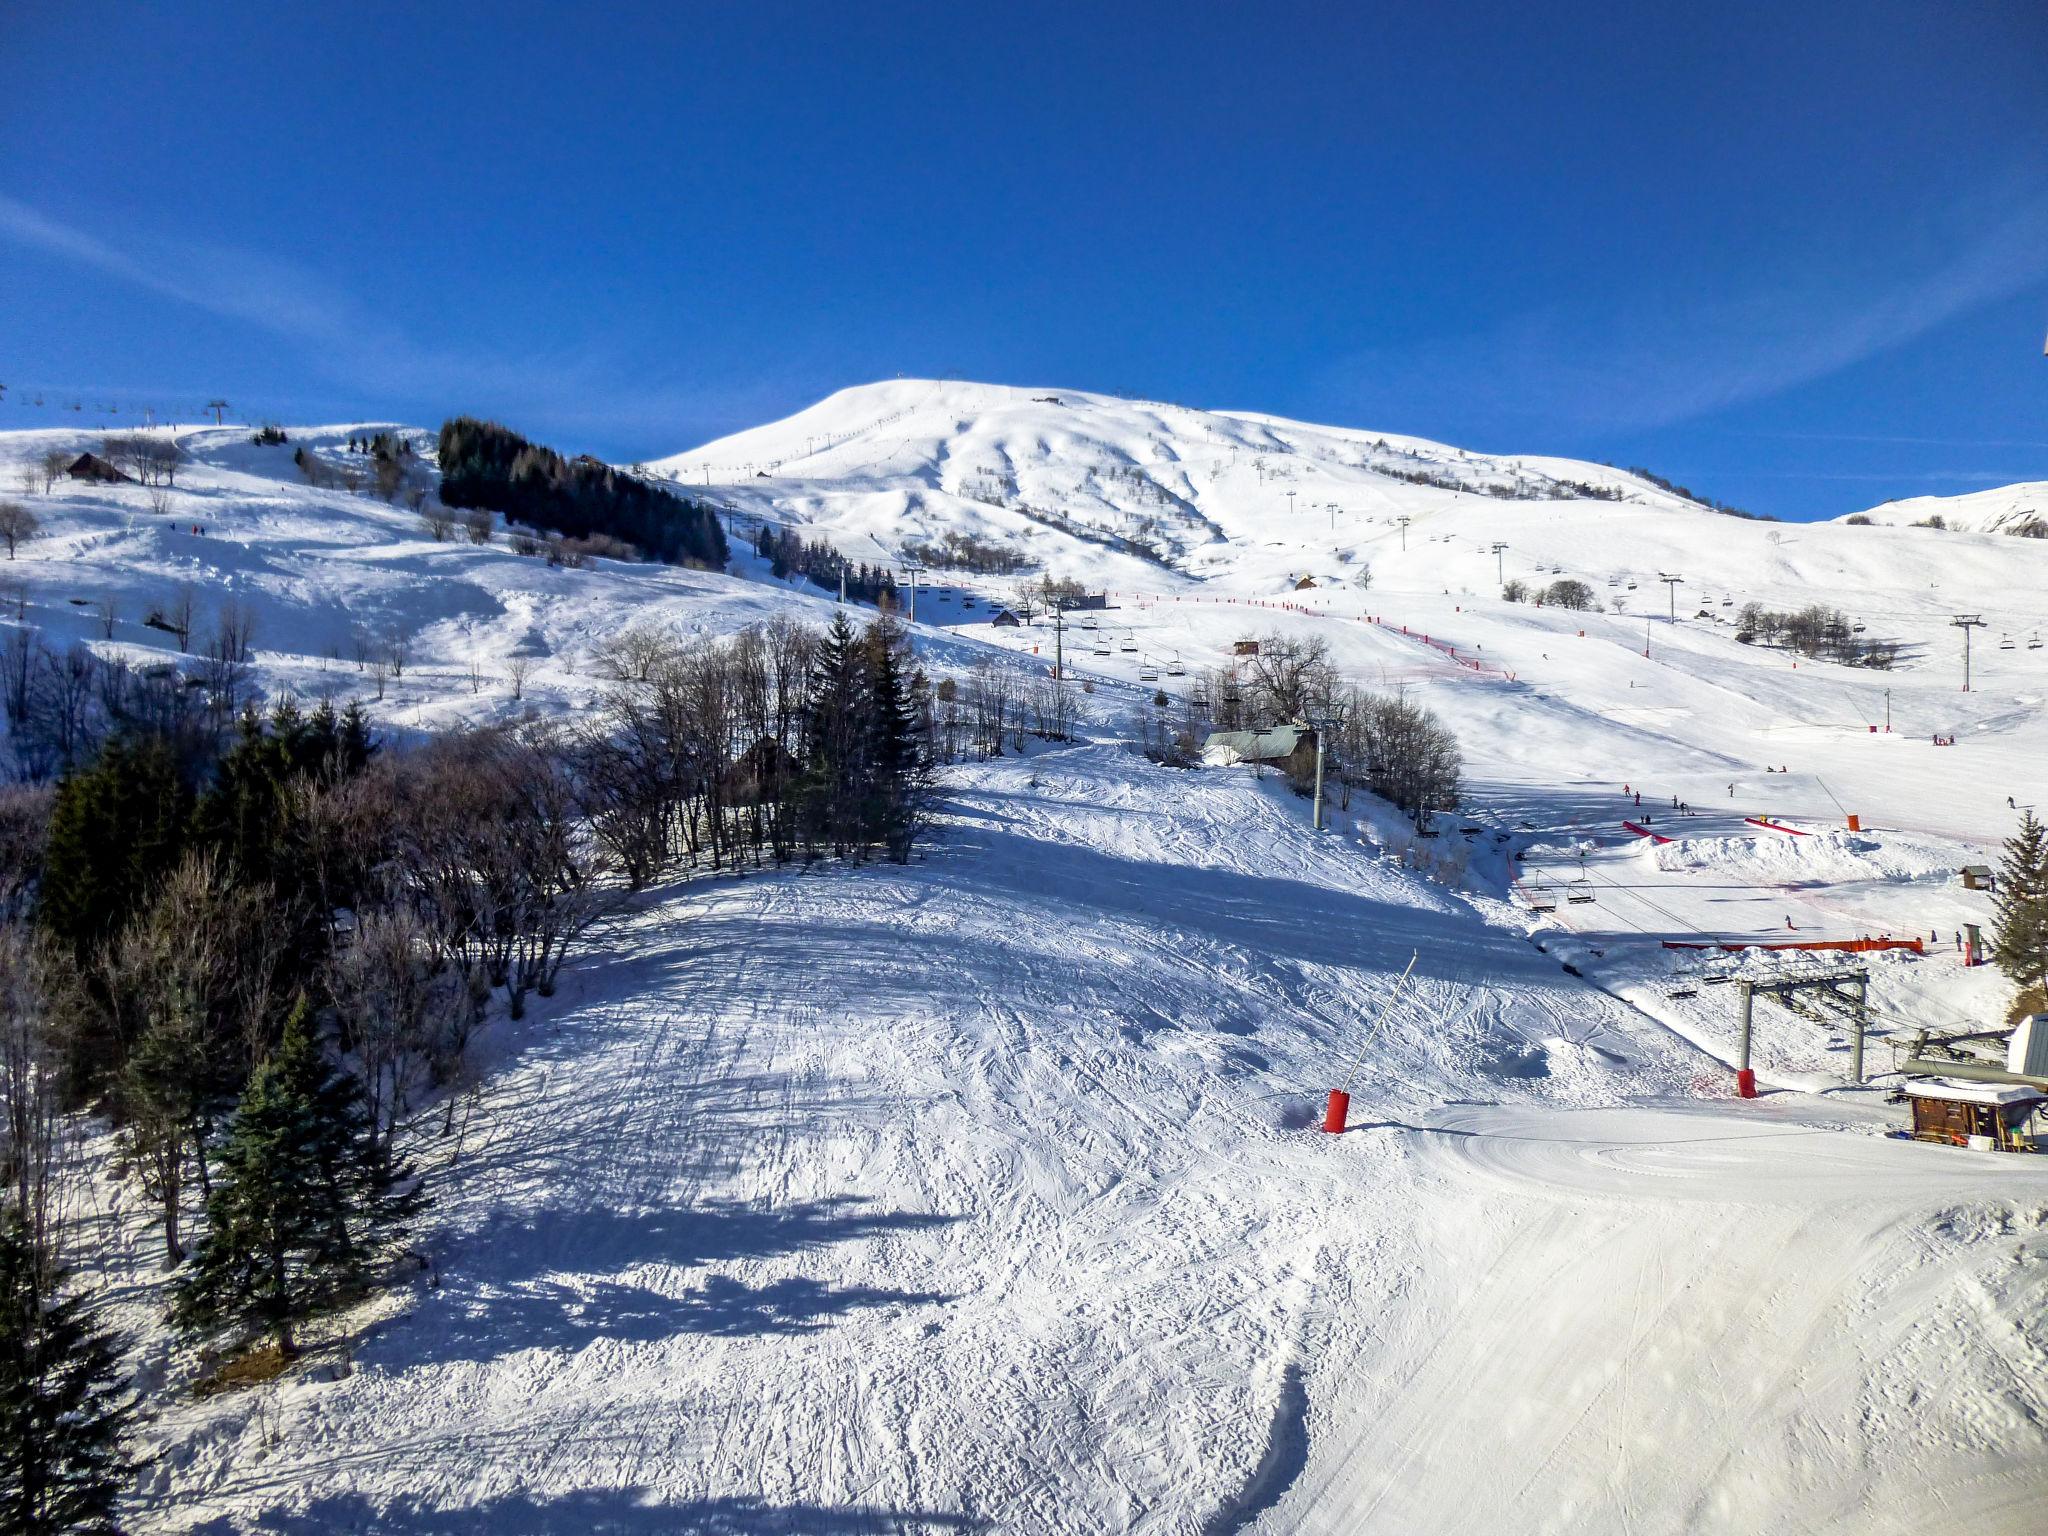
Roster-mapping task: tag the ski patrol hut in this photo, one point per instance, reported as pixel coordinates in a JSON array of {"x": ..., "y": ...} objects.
[
  {"x": 1978, "y": 877},
  {"x": 1993, "y": 1117}
]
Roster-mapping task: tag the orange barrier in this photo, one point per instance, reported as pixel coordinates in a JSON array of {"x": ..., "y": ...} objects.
[{"x": 1850, "y": 946}]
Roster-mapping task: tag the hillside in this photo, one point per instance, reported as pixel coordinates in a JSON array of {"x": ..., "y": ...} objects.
[{"x": 981, "y": 1193}]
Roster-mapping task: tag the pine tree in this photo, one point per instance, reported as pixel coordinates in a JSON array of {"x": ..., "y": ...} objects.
[
  {"x": 895, "y": 759},
  {"x": 2019, "y": 910},
  {"x": 834, "y": 738},
  {"x": 64, "y": 1410},
  {"x": 304, "y": 1201}
]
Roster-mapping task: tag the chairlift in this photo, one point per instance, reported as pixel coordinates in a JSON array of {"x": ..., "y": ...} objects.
[
  {"x": 1614, "y": 581},
  {"x": 1148, "y": 672},
  {"x": 1174, "y": 667},
  {"x": 2007, "y": 644},
  {"x": 1631, "y": 586},
  {"x": 1578, "y": 898},
  {"x": 1855, "y": 629},
  {"x": 1727, "y": 602},
  {"x": 1102, "y": 645},
  {"x": 1129, "y": 646},
  {"x": 2034, "y": 644},
  {"x": 1557, "y": 570}
]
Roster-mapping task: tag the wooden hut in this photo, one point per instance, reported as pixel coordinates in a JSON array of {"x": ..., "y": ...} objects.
[
  {"x": 1978, "y": 877},
  {"x": 90, "y": 466},
  {"x": 1990, "y": 1116}
]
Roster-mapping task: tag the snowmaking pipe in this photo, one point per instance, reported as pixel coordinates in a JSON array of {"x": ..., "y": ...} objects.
[{"x": 1339, "y": 1108}]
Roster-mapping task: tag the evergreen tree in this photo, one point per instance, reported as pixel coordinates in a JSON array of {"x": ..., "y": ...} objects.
[
  {"x": 835, "y": 735},
  {"x": 2019, "y": 910},
  {"x": 116, "y": 828},
  {"x": 64, "y": 1410},
  {"x": 304, "y": 1201},
  {"x": 894, "y": 756}
]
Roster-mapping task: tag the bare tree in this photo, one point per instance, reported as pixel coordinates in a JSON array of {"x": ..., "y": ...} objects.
[
  {"x": 17, "y": 525},
  {"x": 159, "y": 494},
  {"x": 177, "y": 614},
  {"x": 50, "y": 466},
  {"x": 518, "y": 669},
  {"x": 479, "y": 526},
  {"x": 14, "y": 594},
  {"x": 107, "y": 611}
]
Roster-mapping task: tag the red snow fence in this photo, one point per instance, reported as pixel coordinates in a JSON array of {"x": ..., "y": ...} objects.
[
  {"x": 1773, "y": 826},
  {"x": 1643, "y": 831},
  {"x": 1338, "y": 1112},
  {"x": 1847, "y": 946}
]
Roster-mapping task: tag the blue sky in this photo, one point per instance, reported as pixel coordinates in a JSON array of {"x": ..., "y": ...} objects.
[{"x": 1795, "y": 255}]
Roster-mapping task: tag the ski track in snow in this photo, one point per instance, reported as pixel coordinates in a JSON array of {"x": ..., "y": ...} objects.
[{"x": 962, "y": 1196}]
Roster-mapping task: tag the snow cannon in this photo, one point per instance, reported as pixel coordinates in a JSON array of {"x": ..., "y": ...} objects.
[{"x": 1339, "y": 1110}]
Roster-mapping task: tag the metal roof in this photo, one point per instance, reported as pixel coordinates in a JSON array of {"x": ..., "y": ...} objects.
[{"x": 1258, "y": 746}]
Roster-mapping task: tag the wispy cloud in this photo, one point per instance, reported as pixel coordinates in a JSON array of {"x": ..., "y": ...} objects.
[
  {"x": 1656, "y": 357},
  {"x": 340, "y": 338}
]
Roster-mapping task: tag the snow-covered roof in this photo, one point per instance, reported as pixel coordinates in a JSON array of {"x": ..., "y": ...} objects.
[
  {"x": 1255, "y": 746},
  {"x": 1973, "y": 1093}
]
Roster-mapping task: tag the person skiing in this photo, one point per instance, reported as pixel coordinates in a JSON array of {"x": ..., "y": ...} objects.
[
  {"x": 1788, "y": 922},
  {"x": 1731, "y": 791},
  {"x": 1639, "y": 798}
]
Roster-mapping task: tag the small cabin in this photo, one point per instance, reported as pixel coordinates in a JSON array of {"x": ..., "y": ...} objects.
[
  {"x": 1005, "y": 619},
  {"x": 1990, "y": 1116},
  {"x": 1305, "y": 584},
  {"x": 1978, "y": 877},
  {"x": 1290, "y": 748},
  {"x": 90, "y": 466},
  {"x": 1245, "y": 648}
]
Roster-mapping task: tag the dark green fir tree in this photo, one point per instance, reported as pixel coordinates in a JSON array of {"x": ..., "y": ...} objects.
[
  {"x": 304, "y": 1204},
  {"x": 64, "y": 1408}
]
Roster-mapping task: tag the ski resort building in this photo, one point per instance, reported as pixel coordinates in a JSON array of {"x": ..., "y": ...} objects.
[
  {"x": 1988, "y": 1116},
  {"x": 90, "y": 466},
  {"x": 1289, "y": 748}
]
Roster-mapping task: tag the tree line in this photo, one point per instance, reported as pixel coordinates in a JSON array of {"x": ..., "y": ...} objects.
[
  {"x": 1816, "y": 630},
  {"x": 823, "y": 566},
  {"x": 490, "y": 466},
  {"x": 1386, "y": 744}
]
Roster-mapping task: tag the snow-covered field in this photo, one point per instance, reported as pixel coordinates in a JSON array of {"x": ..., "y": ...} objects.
[{"x": 983, "y": 1194}]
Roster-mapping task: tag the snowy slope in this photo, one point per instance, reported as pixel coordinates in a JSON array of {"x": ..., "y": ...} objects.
[
  {"x": 2020, "y": 510},
  {"x": 979, "y": 1194}
]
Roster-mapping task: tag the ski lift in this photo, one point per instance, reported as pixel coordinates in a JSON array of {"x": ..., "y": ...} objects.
[
  {"x": 1148, "y": 671},
  {"x": 1855, "y": 629},
  {"x": 1557, "y": 570},
  {"x": 1727, "y": 602},
  {"x": 2034, "y": 644},
  {"x": 2006, "y": 644},
  {"x": 1174, "y": 667},
  {"x": 1631, "y": 586},
  {"x": 1102, "y": 645},
  {"x": 1614, "y": 581},
  {"x": 1129, "y": 646},
  {"x": 1578, "y": 898}
]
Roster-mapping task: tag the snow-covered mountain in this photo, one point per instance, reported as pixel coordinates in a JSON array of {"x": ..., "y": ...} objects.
[
  {"x": 981, "y": 1194},
  {"x": 2020, "y": 510}
]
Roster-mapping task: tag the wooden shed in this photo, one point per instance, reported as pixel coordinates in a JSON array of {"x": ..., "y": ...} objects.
[
  {"x": 90, "y": 466},
  {"x": 1290, "y": 748},
  {"x": 1245, "y": 648},
  {"x": 1978, "y": 877},
  {"x": 1006, "y": 619},
  {"x": 1993, "y": 1116}
]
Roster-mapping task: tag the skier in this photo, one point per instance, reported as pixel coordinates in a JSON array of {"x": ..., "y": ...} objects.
[
  {"x": 1639, "y": 798},
  {"x": 1731, "y": 791},
  {"x": 1788, "y": 923},
  {"x": 2008, "y": 801}
]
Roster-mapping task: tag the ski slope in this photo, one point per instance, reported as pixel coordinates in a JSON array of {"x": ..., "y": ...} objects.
[{"x": 981, "y": 1194}]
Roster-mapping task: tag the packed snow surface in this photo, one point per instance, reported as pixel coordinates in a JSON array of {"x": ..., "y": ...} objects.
[{"x": 983, "y": 1194}]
